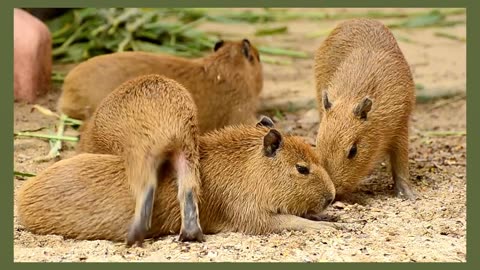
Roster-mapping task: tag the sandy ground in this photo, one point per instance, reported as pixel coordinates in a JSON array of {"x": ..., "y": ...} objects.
[{"x": 383, "y": 227}]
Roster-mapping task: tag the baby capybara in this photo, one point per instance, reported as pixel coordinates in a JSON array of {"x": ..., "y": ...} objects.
[
  {"x": 366, "y": 95},
  {"x": 254, "y": 180},
  {"x": 149, "y": 121},
  {"x": 225, "y": 85}
]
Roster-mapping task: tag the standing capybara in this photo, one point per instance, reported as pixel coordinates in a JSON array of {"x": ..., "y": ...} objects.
[
  {"x": 253, "y": 180},
  {"x": 150, "y": 120},
  {"x": 366, "y": 95},
  {"x": 225, "y": 85}
]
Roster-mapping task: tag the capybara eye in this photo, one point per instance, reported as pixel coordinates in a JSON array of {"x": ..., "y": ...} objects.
[
  {"x": 353, "y": 151},
  {"x": 302, "y": 169}
]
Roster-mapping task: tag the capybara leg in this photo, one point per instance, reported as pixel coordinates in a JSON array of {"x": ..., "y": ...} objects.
[
  {"x": 280, "y": 223},
  {"x": 319, "y": 217},
  {"x": 143, "y": 216},
  {"x": 399, "y": 165},
  {"x": 188, "y": 182},
  {"x": 142, "y": 175}
]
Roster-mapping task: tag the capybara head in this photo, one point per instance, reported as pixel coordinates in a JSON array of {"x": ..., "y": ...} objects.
[
  {"x": 305, "y": 185},
  {"x": 281, "y": 173},
  {"x": 241, "y": 55},
  {"x": 345, "y": 140}
]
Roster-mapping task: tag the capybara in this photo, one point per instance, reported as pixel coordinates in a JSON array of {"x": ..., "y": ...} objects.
[
  {"x": 366, "y": 95},
  {"x": 150, "y": 120},
  {"x": 225, "y": 85},
  {"x": 254, "y": 180}
]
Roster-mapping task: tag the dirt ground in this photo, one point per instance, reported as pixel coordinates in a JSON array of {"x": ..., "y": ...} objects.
[{"x": 384, "y": 228}]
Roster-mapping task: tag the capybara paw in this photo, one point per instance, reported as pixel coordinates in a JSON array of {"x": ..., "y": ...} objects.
[
  {"x": 320, "y": 217},
  {"x": 136, "y": 234},
  {"x": 405, "y": 191},
  {"x": 195, "y": 235}
]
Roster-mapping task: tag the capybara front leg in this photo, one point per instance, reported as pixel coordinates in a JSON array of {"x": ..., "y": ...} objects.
[
  {"x": 280, "y": 223},
  {"x": 399, "y": 164}
]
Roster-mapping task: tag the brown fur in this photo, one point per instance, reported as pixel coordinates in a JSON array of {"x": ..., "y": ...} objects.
[
  {"x": 365, "y": 95},
  {"x": 225, "y": 84},
  {"x": 149, "y": 121},
  {"x": 250, "y": 184}
]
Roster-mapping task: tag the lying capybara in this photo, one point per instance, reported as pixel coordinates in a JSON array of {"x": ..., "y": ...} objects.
[
  {"x": 225, "y": 85},
  {"x": 254, "y": 180},
  {"x": 366, "y": 95},
  {"x": 149, "y": 121}
]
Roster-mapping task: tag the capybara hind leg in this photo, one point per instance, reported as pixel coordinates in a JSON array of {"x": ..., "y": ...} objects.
[
  {"x": 142, "y": 175},
  {"x": 188, "y": 182},
  {"x": 399, "y": 164},
  {"x": 143, "y": 217},
  {"x": 280, "y": 223}
]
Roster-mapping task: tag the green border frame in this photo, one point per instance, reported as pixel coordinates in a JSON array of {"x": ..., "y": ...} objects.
[{"x": 6, "y": 112}]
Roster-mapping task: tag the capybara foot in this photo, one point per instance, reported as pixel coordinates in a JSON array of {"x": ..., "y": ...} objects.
[
  {"x": 403, "y": 190},
  {"x": 195, "y": 235},
  {"x": 143, "y": 220},
  {"x": 191, "y": 230},
  {"x": 320, "y": 217},
  {"x": 136, "y": 234}
]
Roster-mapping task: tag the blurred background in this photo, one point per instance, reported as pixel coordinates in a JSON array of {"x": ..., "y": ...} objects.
[
  {"x": 433, "y": 41},
  {"x": 286, "y": 39}
]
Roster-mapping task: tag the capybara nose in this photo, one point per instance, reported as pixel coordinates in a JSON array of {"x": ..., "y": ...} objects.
[
  {"x": 328, "y": 201},
  {"x": 332, "y": 200}
]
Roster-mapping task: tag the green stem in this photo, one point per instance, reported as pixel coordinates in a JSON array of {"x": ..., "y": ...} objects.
[
  {"x": 188, "y": 26},
  {"x": 57, "y": 144},
  {"x": 275, "y": 61},
  {"x": 44, "y": 136},
  {"x": 124, "y": 43},
  {"x": 73, "y": 121},
  {"x": 23, "y": 174},
  {"x": 279, "y": 51},
  {"x": 62, "y": 49}
]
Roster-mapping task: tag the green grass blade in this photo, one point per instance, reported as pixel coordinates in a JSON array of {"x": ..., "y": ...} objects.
[{"x": 284, "y": 52}]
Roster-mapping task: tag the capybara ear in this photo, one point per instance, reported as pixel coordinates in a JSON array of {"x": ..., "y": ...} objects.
[
  {"x": 218, "y": 44},
  {"x": 246, "y": 48},
  {"x": 362, "y": 108},
  {"x": 272, "y": 142},
  {"x": 265, "y": 121},
  {"x": 326, "y": 103}
]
